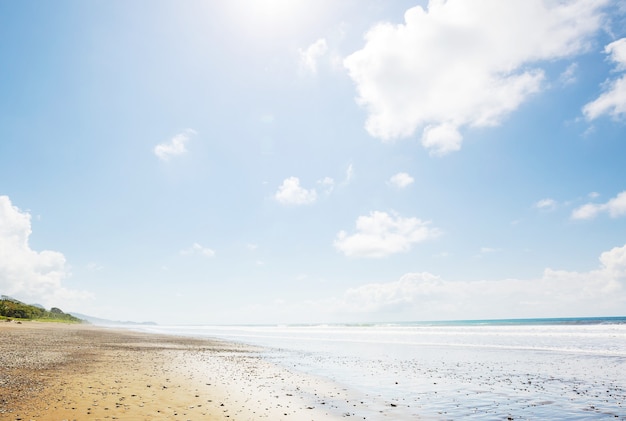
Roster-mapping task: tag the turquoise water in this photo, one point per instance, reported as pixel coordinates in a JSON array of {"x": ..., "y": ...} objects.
[
  {"x": 491, "y": 322},
  {"x": 522, "y": 322},
  {"x": 480, "y": 369},
  {"x": 539, "y": 321}
]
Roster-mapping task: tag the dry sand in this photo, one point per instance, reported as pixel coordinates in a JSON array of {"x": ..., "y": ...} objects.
[{"x": 53, "y": 371}]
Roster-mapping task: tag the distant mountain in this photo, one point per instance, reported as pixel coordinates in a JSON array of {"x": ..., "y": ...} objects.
[{"x": 106, "y": 322}]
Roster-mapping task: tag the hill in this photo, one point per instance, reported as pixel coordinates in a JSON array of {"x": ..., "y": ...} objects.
[{"x": 10, "y": 308}]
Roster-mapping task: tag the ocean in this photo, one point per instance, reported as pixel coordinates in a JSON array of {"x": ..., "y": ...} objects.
[{"x": 557, "y": 369}]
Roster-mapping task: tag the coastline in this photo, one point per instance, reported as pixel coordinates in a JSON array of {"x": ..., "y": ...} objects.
[
  {"x": 474, "y": 370},
  {"x": 61, "y": 371},
  {"x": 74, "y": 372}
]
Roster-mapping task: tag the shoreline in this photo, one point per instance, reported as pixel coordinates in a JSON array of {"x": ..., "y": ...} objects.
[
  {"x": 73, "y": 372},
  {"x": 558, "y": 372}
]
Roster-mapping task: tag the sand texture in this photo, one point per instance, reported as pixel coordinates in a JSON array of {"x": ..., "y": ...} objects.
[{"x": 51, "y": 371}]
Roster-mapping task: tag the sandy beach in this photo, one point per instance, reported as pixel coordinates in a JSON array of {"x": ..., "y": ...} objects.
[
  {"x": 51, "y": 371},
  {"x": 573, "y": 369}
]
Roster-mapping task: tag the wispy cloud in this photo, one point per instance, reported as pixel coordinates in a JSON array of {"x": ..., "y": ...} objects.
[
  {"x": 546, "y": 204},
  {"x": 381, "y": 234},
  {"x": 615, "y": 207},
  {"x": 569, "y": 74},
  {"x": 613, "y": 100},
  {"x": 327, "y": 185},
  {"x": 290, "y": 192},
  {"x": 349, "y": 175},
  {"x": 94, "y": 267},
  {"x": 427, "y": 296},
  {"x": 199, "y": 250},
  {"x": 310, "y": 57},
  {"x": 428, "y": 74},
  {"x": 486, "y": 250},
  {"x": 175, "y": 146},
  {"x": 419, "y": 296},
  {"x": 401, "y": 180}
]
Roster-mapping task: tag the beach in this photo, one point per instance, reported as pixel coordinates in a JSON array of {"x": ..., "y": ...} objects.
[
  {"x": 557, "y": 369},
  {"x": 519, "y": 371},
  {"x": 53, "y": 371}
]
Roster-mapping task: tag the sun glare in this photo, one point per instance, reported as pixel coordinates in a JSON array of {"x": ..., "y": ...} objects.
[
  {"x": 276, "y": 10},
  {"x": 273, "y": 17}
]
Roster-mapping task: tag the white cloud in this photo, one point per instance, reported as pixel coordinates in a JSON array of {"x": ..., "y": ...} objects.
[
  {"x": 485, "y": 251},
  {"x": 380, "y": 234},
  {"x": 291, "y": 193},
  {"x": 376, "y": 297},
  {"x": 546, "y": 204},
  {"x": 27, "y": 274},
  {"x": 463, "y": 64},
  {"x": 588, "y": 211},
  {"x": 557, "y": 293},
  {"x": 401, "y": 180},
  {"x": 94, "y": 267},
  {"x": 442, "y": 138},
  {"x": 309, "y": 58},
  {"x": 349, "y": 174},
  {"x": 613, "y": 100},
  {"x": 198, "y": 249},
  {"x": 327, "y": 184},
  {"x": 569, "y": 75},
  {"x": 615, "y": 207},
  {"x": 176, "y": 145},
  {"x": 426, "y": 296},
  {"x": 617, "y": 50}
]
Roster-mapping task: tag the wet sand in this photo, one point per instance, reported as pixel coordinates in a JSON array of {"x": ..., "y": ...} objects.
[{"x": 51, "y": 371}]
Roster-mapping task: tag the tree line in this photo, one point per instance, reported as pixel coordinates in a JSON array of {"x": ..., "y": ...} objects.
[{"x": 11, "y": 308}]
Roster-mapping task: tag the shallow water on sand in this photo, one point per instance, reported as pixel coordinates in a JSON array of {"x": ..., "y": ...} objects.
[{"x": 481, "y": 371}]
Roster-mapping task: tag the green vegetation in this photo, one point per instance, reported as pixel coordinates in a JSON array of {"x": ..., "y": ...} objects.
[{"x": 11, "y": 308}]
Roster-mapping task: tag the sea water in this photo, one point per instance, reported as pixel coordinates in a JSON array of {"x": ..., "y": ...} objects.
[{"x": 566, "y": 369}]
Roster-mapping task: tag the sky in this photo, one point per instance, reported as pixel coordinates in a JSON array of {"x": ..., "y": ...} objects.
[{"x": 314, "y": 161}]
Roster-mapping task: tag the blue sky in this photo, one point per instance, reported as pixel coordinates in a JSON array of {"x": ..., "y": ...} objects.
[{"x": 314, "y": 161}]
